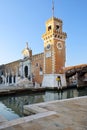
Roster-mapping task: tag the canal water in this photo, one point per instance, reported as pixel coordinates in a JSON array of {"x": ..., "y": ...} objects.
[{"x": 11, "y": 107}]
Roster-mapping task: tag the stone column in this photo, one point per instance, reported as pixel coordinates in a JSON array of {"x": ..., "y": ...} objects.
[
  {"x": 16, "y": 80},
  {"x": 12, "y": 77},
  {"x": 5, "y": 78},
  {"x": 8, "y": 79},
  {"x": 22, "y": 70}
]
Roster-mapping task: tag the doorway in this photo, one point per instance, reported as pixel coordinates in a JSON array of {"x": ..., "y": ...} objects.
[{"x": 26, "y": 71}]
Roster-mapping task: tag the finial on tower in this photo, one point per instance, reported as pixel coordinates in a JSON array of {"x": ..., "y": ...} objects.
[
  {"x": 26, "y": 44},
  {"x": 53, "y": 8}
]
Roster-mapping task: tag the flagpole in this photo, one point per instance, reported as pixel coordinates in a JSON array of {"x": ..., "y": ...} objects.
[{"x": 53, "y": 8}]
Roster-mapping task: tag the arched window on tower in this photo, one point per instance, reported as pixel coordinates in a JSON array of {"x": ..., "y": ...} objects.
[
  {"x": 57, "y": 27},
  {"x": 49, "y": 28}
]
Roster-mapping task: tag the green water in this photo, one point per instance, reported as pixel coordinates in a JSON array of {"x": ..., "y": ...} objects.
[{"x": 11, "y": 107}]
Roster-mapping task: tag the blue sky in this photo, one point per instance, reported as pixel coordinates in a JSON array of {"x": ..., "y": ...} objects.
[{"x": 23, "y": 21}]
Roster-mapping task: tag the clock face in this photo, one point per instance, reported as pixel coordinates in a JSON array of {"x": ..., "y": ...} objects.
[
  {"x": 59, "y": 45},
  {"x": 48, "y": 47}
]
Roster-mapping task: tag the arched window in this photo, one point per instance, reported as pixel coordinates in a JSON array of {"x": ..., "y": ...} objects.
[
  {"x": 37, "y": 64},
  {"x": 41, "y": 68},
  {"x": 10, "y": 79},
  {"x": 41, "y": 71},
  {"x": 49, "y": 28}
]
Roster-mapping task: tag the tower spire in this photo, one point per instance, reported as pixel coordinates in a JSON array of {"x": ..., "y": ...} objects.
[{"x": 53, "y": 8}]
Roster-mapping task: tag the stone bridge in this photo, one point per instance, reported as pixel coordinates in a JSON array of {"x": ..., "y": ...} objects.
[{"x": 76, "y": 75}]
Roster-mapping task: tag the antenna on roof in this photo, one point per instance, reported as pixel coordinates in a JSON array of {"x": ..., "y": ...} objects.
[{"x": 53, "y": 8}]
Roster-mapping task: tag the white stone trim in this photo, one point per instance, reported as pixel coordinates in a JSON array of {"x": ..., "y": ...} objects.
[
  {"x": 44, "y": 62},
  {"x": 26, "y": 119},
  {"x": 45, "y": 41},
  {"x": 53, "y": 61},
  {"x": 49, "y": 80}
]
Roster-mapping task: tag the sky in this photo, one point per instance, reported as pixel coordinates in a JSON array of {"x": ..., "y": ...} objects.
[{"x": 23, "y": 21}]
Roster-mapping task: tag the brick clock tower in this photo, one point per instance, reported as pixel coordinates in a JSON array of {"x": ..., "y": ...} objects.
[{"x": 54, "y": 53}]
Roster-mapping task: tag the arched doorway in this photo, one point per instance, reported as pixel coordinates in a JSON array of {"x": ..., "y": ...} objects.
[
  {"x": 1, "y": 80},
  {"x": 26, "y": 71},
  {"x": 10, "y": 79}
]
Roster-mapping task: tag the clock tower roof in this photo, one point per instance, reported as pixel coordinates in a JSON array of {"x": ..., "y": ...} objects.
[{"x": 53, "y": 19}]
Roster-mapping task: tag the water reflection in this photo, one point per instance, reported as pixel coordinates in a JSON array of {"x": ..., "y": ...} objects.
[
  {"x": 12, "y": 107},
  {"x": 7, "y": 112},
  {"x": 15, "y": 104}
]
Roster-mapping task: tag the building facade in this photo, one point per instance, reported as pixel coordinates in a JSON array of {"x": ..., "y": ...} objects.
[{"x": 38, "y": 68}]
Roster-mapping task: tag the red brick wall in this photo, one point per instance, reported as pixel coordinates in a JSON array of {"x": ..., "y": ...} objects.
[{"x": 37, "y": 63}]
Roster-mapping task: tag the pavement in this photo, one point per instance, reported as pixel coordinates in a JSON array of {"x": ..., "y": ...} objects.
[{"x": 68, "y": 114}]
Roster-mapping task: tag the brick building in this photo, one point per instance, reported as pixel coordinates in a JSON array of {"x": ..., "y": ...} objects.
[{"x": 43, "y": 67}]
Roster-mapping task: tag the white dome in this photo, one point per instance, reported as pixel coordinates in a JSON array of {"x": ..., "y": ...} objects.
[{"x": 26, "y": 51}]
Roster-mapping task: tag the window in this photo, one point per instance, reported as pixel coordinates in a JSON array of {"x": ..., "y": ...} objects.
[
  {"x": 41, "y": 68},
  {"x": 49, "y": 28},
  {"x": 41, "y": 71},
  {"x": 2, "y": 73},
  {"x": 57, "y": 27},
  {"x": 37, "y": 65}
]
